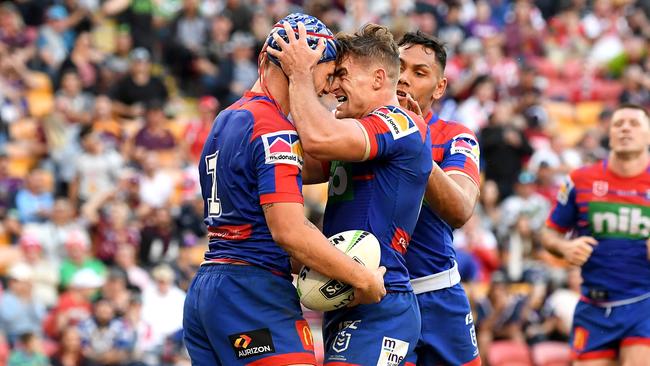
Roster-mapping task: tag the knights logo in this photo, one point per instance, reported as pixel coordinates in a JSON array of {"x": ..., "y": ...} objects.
[{"x": 600, "y": 188}]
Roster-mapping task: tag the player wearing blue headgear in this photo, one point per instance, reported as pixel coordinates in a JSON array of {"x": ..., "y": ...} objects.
[
  {"x": 241, "y": 308},
  {"x": 379, "y": 160}
]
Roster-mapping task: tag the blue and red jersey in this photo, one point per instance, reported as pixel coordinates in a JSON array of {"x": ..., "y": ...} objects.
[
  {"x": 252, "y": 157},
  {"x": 383, "y": 193},
  {"x": 615, "y": 210},
  {"x": 455, "y": 149}
]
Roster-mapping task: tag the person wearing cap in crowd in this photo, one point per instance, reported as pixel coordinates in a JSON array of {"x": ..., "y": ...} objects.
[
  {"x": 55, "y": 40},
  {"x": 162, "y": 304},
  {"x": 75, "y": 303},
  {"x": 255, "y": 215},
  {"x": 45, "y": 277},
  {"x": 79, "y": 257},
  {"x": 20, "y": 311},
  {"x": 28, "y": 352},
  {"x": 525, "y": 202},
  {"x": 132, "y": 92}
]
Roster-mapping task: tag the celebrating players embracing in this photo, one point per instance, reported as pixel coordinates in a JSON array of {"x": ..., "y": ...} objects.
[
  {"x": 380, "y": 158},
  {"x": 241, "y": 308}
]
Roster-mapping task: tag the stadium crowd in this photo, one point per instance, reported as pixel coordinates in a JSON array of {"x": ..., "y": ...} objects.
[{"x": 104, "y": 107}]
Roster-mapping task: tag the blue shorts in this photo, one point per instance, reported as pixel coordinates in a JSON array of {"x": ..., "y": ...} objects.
[
  {"x": 599, "y": 332},
  {"x": 378, "y": 334},
  {"x": 245, "y": 315},
  {"x": 448, "y": 336}
]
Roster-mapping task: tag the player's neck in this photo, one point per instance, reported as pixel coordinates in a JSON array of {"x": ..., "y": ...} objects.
[
  {"x": 277, "y": 86},
  {"x": 626, "y": 165}
]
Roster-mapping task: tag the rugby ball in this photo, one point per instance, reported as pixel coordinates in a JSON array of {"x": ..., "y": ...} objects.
[{"x": 318, "y": 292}]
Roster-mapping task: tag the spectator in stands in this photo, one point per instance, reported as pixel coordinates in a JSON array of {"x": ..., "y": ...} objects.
[
  {"x": 15, "y": 36},
  {"x": 523, "y": 35},
  {"x": 79, "y": 257},
  {"x": 126, "y": 259},
  {"x": 162, "y": 304},
  {"x": 475, "y": 111},
  {"x": 117, "y": 63},
  {"x": 138, "y": 16},
  {"x": 197, "y": 130},
  {"x": 503, "y": 148},
  {"x": 160, "y": 239},
  {"x": 144, "y": 350},
  {"x": 112, "y": 228},
  {"x": 75, "y": 104},
  {"x": 483, "y": 26},
  {"x": 70, "y": 352},
  {"x": 189, "y": 32},
  {"x": 156, "y": 185},
  {"x": 106, "y": 125},
  {"x": 190, "y": 218},
  {"x": 561, "y": 303},
  {"x": 55, "y": 40},
  {"x": 35, "y": 200},
  {"x": 488, "y": 208},
  {"x": 499, "y": 315},
  {"x": 84, "y": 60},
  {"x": 45, "y": 274},
  {"x": 9, "y": 185},
  {"x": 131, "y": 93},
  {"x": 525, "y": 203},
  {"x": 28, "y": 352},
  {"x": 154, "y": 135},
  {"x": 237, "y": 72},
  {"x": 20, "y": 311},
  {"x": 96, "y": 168},
  {"x": 53, "y": 233},
  {"x": 74, "y": 304},
  {"x": 481, "y": 244},
  {"x": 105, "y": 339},
  {"x": 115, "y": 290},
  {"x": 558, "y": 156}
]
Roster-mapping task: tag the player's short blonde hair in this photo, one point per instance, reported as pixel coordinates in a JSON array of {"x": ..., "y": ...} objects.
[{"x": 372, "y": 43}]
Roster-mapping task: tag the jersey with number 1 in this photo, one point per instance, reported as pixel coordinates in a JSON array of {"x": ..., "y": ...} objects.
[
  {"x": 383, "y": 193},
  {"x": 615, "y": 211},
  {"x": 252, "y": 157},
  {"x": 455, "y": 149}
]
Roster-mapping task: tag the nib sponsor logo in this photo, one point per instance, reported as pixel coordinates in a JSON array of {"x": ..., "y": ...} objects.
[{"x": 252, "y": 343}]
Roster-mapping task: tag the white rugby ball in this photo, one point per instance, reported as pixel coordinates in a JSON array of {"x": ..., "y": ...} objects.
[{"x": 318, "y": 292}]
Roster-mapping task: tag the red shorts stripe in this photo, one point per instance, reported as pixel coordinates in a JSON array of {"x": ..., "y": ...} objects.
[
  {"x": 635, "y": 341},
  {"x": 409, "y": 364},
  {"x": 285, "y": 359},
  {"x": 474, "y": 362},
  {"x": 609, "y": 354}
]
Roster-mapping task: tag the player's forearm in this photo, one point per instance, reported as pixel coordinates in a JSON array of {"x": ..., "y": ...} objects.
[
  {"x": 315, "y": 124},
  {"x": 553, "y": 241},
  {"x": 448, "y": 199},
  {"x": 308, "y": 246}
]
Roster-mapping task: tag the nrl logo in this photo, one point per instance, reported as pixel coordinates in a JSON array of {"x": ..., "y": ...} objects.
[{"x": 600, "y": 188}]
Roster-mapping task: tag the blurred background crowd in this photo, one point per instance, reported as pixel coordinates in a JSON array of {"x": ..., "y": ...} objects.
[{"x": 105, "y": 104}]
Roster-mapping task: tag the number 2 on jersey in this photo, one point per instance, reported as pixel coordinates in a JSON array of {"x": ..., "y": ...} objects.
[{"x": 214, "y": 204}]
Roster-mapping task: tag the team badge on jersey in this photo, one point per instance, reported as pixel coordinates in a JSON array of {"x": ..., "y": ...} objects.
[
  {"x": 564, "y": 191},
  {"x": 283, "y": 147},
  {"x": 398, "y": 121},
  {"x": 467, "y": 145},
  {"x": 600, "y": 188}
]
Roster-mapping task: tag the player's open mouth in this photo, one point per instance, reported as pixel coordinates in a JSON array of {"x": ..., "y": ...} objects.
[
  {"x": 401, "y": 94},
  {"x": 341, "y": 98}
]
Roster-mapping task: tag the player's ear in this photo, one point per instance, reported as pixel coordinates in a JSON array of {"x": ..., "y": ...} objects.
[
  {"x": 379, "y": 78},
  {"x": 441, "y": 86}
]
